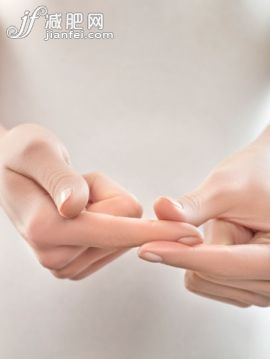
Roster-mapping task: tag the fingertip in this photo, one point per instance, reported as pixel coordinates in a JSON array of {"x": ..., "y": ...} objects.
[
  {"x": 151, "y": 257},
  {"x": 159, "y": 202},
  {"x": 160, "y": 251},
  {"x": 69, "y": 209},
  {"x": 145, "y": 248},
  {"x": 191, "y": 240},
  {"x": 74, "y": 200},
  {"x": 140, "y": 250},
  {"x": 168, "y": 209}
]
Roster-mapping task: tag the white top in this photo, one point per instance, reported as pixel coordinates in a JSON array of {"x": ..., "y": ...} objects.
[{"x": 182, "y": 84}]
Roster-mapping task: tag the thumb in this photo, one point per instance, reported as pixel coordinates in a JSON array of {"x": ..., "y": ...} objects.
[
  {"x": 195, "y": 208},
  {"x": 70, "y": 192},
  {"x": 48, "y": 167}
]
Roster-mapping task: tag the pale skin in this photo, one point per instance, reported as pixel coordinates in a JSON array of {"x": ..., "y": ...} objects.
[
  {"x": 232, "y": 265},
  {"x": 74, "y": 223}
]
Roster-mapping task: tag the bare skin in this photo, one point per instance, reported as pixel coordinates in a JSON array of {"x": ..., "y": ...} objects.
[
  {"x": 74, "y": 223},
  {"x": 233, "y": 264}
]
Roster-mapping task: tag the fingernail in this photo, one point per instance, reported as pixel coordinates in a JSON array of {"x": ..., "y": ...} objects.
[
  {"x": 151, "y": 257},
  {"x": 62, "y": 198}
]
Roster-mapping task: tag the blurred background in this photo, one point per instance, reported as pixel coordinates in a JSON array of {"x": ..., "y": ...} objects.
[{"x": 183, "y": 84}]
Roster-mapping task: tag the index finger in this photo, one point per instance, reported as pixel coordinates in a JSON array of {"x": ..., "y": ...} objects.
[
  {"x": 102, "y": 230},
  {"x": 243, "y": 261},
  {"x": 107, "y": 196}
]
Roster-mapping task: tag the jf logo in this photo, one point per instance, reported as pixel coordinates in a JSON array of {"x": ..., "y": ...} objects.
[{"x": 27, "y": 23}]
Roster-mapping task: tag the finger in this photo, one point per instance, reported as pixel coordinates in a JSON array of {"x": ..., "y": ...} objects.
[
  {"x": 221, "y": 232},
  {"x": 257, "y": 286},
  {"x": 87, "y": 258},
  {"x": 89, "y": 228},
  {"x": 166, "y": 211},
  {"x": 103, "y": 187},
  {"x": 224, "y": 300},
  {"x": 45, "y": 161},
  {"x": 198, "y": 285},
  {"x": 106, "y": 197},
  {"x": 192, "y": 288},
  {"x": 58, "y": 257},
  {"x": 109, "y": 197},
  {"x": 98, "y": 265},
  {"x": 227, "y": 262},
  {"x": 101, "y": 230}
]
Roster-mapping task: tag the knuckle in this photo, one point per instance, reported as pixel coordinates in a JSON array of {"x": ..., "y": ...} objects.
[
  {"x": 261, "y": 302},
  {"x": 51, "y": 261},
  {"x": 61, "y": 273},
  {"x": 132, "y": 206},
  {"x": 38, "y": 140},
  {"x": 94, "y": 177},
  {"x": 77, "y": 278},
  {"x": 96, "y": 174},
  {"x": 243, "y": 305},
  {"x": 58, "y": 274},
  {"x": 47, "y": 262},
  {"x": 83, "y": 274},
  {"x": 127, "y": 201},
  {"x": 34, "y": 146}
]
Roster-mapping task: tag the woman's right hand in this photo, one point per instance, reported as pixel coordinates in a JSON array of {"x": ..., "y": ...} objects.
[
  {"x": 233, "y": 264},
  {"x": 75, "y": 224}
]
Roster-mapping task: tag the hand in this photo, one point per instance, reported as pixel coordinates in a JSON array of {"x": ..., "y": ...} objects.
[
  {"x": 233, "y": 265},
  {"x": 75, "y": 224}
]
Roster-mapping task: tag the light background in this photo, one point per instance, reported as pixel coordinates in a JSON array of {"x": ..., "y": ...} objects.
[{"x": 183, "y": 84}]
